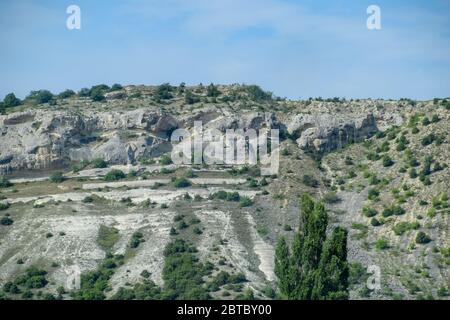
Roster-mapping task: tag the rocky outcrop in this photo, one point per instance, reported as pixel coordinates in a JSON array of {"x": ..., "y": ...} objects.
[
  {"x": 321, "y": 133},
  {"x": 42, "y": 139}
]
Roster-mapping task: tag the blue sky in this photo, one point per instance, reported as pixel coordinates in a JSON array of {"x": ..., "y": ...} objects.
[{"x": 293, "y": 48}]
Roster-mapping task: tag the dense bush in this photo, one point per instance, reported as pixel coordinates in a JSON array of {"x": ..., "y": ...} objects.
[
  {"x": 33, "y": 278},
  {"x": 422, "y": 238},
  {"x": 84, "y": 92},
  {"x": 181, "y": 183},
  {"x": 4, "y": 182},
  {"x": 402, "y": 143},
  {"x": 425, "y": 121},
  {"x": 387, "y": 161},
  {"x": 369, "y": 212},
  {"x": 99, "y": 163},
  {"x": 6, "y": 221},
  {"x": 147, "y": 290},
  {"x": 136, "y": 239},
  {"x": 11, "y": 100},
  {"x": 228, "y": 196},
  {"x": 382, "y": 244},
  {"x": 163, "y": 92},
  {"x": 116, "y": 87},
  {"x": 212, "y": 91},
  {"x": 94, "y": 283},
  {"x": 40, "y": 96},
  {"x": 57, "y": 177},
  {"x": 375, "y": 222},
  {"x": 115, "y": 175},
  {"x": 245, "y": 202},
  {"x": 166, "y": 160},
  {"x": 401, "y": 227},
  {"x": 393, "y": 210},
  {"x": 183, "y": 275},
  {"x": 96, "y": 93},
  {"x": 373, "y": 194},
  {"x": 97, "y": 96},
  {"x": 256, "y": 93},
  {"x": 66, "y": 94}
]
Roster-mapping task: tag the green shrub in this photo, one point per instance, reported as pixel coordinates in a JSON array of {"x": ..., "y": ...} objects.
[
  {"x": 115, "y": 175},
  {"x": 373, "y": 156},
  {"x": 116, "y": 87},
  {"x": 382, "y": 244},
  {"x": 393, "y": 210},
  {"x": 183, "y": 274},
  {"x": 181, "y": 183},
  {"x": 428, "y": 139},
  {"x": 387, "y": 161},
  {"x": 6, "y": 221},
  {"x": 163, "y": 92},
  {"x": 4, "y": 182},
  {"x": 57, "y": 177},
  {"x": 402, "y": 143},
  {"x": 84, "y": 92},
  {"x": 212, "y": 91},
  {"x": 373, "y": 194},
  {"x": 97, "y": 92},
  {"x": 136, "y": 239},
  {"x": 33, "y": 278},
  {"x": 228, "y": 196},
  {"x": 41, "y": 96},
  {"x": 99, "y": 163},
  {"x": 422, "y": 238},
  {"x": 256, "y": 93},
  {"x": 413, "y": 173},
  {"x": 11, "y": 101},
  {"x": 97, "y": 96},
  {"x": 369, "y": 212},
  {"x": 66, "y": 94},
  {"x": 245, "y": 202},
  {"x": 401, "y": 227},
  {"x": 182, "y": 225},
  {"x": 375, "y": 222},
  {"x": 88, "y": 199},
  {"x": 4, "y": 206},
  {"x": 94, "y": 283},
  {"x": 166, "y": 160}
]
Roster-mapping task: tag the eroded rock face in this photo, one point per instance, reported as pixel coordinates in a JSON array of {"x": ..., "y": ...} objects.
[
  {"x": 39, "y": 140},
  {"x": 321, "y": 133}
]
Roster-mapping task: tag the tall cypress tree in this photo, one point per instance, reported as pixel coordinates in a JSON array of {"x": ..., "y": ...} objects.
[
  {"x": 331, "y": 279},
  {"x": 313, "y": 260},
  {"x": 282, "y": 267}
]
